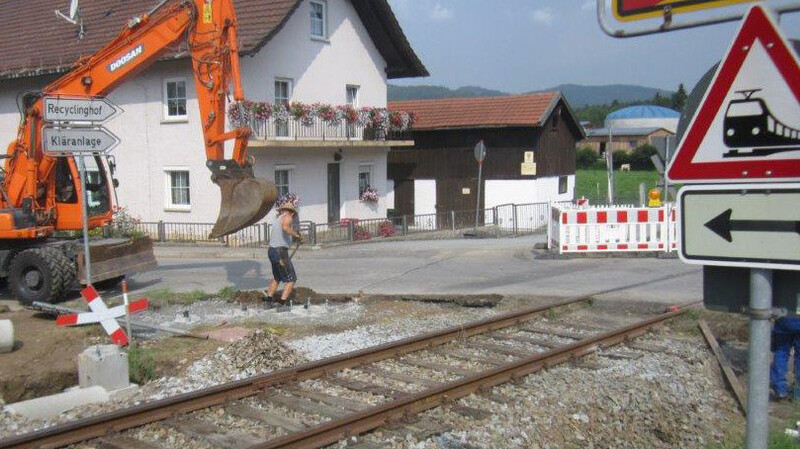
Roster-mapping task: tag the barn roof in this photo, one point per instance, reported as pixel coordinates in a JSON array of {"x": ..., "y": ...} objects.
[
  {"x": 502, "y": 111},
  {"x": 35, "y": 42}
]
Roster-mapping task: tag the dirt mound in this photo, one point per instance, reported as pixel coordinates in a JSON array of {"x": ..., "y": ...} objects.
[
  {"x": 249, "y": 296},
  {"x": 301, "y": 295}
]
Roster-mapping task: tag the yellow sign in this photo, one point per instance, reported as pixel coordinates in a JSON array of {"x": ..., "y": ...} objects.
[
  {"x": 528, "y": 169},
  {"x": 207, "y": 15},
  {"x": 633, "y": 10}
]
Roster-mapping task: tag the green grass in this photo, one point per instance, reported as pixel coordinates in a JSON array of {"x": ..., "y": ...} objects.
[
  {"x": 142, "y": 365},
  {"x": 167, "y": 296},
  {"x": 593, "y": 184}
]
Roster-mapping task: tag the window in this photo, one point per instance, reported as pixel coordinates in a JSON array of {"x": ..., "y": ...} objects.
[
  {"x": 632, "y": 144},
  {"x": 178, "y": 191},
  {"x": 364, "y": 177},
  {"x": 319, "y": 20},
  {"x": 283, "y": 93},
  {"x": 283, "y": 90},
  {"x": 352, "y": 96},
  {"x": 562, "y": 184},
  {"x": 283, "y": 179},
  {"x": 175, "y": 99}
]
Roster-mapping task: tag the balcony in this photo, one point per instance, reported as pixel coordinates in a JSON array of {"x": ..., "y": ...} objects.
[{"x": 318, "y": 125}]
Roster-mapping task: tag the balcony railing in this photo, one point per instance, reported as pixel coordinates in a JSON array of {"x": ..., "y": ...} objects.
[
  {"x": 317, "y": 129},
  {"x": 318, "y": 121}
]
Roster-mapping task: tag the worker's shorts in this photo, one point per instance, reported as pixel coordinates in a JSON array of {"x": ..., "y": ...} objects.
[{"x": 282, "y": 268}]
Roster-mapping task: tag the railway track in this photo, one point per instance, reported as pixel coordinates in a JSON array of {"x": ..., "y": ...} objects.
[{"x": 320, "y": 403}]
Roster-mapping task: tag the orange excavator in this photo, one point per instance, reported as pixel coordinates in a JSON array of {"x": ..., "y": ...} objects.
[{"x": 40, "y": 191}]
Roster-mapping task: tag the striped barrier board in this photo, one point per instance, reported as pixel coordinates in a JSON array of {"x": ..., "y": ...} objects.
[{"x": 614, "y": 229}]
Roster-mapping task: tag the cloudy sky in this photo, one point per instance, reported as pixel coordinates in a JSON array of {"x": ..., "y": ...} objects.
[{"x": 524, "y": 45}]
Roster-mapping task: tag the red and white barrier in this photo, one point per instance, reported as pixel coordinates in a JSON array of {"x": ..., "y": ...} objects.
[{"x": 605, "y": 229}]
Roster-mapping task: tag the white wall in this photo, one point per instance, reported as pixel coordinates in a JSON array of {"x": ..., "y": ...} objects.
[
  {"x": 321, "y": 70},
  {"x": 310, "y": 179},
  {"x": 524, "y": 191}
]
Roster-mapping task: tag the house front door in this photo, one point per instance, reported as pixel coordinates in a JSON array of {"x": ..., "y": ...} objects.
[{"x": 334, "y": 197}]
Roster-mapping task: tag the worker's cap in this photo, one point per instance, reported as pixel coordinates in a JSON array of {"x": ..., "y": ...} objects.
[{"x": 287, "y": 206}]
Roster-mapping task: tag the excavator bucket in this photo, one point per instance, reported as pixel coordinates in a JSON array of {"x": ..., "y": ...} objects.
[{"x": 245, "y": 200}]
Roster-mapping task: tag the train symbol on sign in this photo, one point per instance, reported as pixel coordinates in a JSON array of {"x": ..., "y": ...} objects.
[{"x": 751, "y": 130}]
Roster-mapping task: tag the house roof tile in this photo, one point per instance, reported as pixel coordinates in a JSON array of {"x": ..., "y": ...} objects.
[
  {"x": 509, "y": 110},
  {"x": 33, "y": 41}
]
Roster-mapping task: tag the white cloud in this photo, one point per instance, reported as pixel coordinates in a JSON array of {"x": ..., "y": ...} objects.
[
  {"x": 440, "y": 13},
  {"x": 588, "y": 5},
  {"x": 543, "y": 15}
]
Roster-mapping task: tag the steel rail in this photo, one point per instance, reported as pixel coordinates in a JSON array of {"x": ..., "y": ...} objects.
[
  {"x": 357, "y": 423},
  {"x": 102, "y": 425}
]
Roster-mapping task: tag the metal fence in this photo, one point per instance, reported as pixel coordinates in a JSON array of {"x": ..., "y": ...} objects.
[{"x": 505, "y": 220}]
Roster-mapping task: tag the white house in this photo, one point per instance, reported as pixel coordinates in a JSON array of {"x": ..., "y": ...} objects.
[{"x": 313, "y": 51}]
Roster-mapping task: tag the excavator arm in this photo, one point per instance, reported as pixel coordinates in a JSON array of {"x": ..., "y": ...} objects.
[{"x": 208, "y": 28}]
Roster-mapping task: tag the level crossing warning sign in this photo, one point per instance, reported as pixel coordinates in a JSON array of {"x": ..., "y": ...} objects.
[{"x": 747, "y": 128}]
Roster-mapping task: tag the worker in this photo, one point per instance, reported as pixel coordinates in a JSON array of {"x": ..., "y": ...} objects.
[
  {"x": 785, "y": 336},
  {"x": 280, "y": 239}
]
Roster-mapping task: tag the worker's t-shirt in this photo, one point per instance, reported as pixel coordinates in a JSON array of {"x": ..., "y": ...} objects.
[{"x": 277, "y": 237}]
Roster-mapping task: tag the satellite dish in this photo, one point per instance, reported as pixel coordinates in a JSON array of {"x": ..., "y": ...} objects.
[{"x": 74, "y": 17}]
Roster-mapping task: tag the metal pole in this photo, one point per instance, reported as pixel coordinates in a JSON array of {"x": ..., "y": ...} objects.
[
  {"x": 124, "y": 287},
  {"x": 478, "y": 202},
  {"x": 610, "y": 161},
  {"x": 666, "y": 164},
  {"x": 758, "y": 358},
  {"x": 85, "y": 218}
]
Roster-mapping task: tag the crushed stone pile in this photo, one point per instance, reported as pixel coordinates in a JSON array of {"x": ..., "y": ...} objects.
[{"x": 261, "y": 352}]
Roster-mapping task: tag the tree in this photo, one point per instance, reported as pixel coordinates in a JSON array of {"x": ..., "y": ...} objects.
[{"x": 679, "y": 98}]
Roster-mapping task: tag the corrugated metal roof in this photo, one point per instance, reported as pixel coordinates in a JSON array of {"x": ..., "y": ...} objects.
[
  {"x": 622, "y": 132},
  {"x": 643, "y": 111}
]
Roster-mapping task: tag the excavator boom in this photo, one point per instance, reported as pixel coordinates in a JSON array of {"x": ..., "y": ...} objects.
[{"x": 208, "y": 29}]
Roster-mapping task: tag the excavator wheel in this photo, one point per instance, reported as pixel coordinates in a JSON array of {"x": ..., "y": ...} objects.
[{"x": 40, "y": 274}]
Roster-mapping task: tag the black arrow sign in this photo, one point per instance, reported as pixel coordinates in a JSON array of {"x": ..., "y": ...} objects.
[{"x": 722, "y": 225}]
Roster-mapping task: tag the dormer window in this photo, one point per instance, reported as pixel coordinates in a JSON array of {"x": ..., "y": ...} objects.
[{"x": 319, "y": 19}]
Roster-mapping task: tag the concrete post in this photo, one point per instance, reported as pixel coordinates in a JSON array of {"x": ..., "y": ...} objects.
[
  {"x": 162, "y": 234},
  {"x": 453, "y": 220},
  {"x": 6, "y": 336},
  {"x": 104, "y": 366},
  {"x": 405, "y": 224},
  {"x": 351, "y": 230}
]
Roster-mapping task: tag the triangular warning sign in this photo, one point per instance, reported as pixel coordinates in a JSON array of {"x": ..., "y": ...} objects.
[{"x": 747, "y": 128}]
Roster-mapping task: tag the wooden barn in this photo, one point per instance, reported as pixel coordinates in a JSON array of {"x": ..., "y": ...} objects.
[{"x": 530, "y": 142}]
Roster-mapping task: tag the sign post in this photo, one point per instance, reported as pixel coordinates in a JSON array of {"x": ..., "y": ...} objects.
[
  {"x": 744, "y": 143},
  {"x": 480, "y": 155},
  {"x": 74, "y": 131}
]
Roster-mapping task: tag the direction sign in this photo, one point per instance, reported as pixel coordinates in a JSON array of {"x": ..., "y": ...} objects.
[
  {"x": 65, "y": 109},
  {"x": 747, "y": 128},
  {"x": 741, "y": 225},
  {"x": 480, "y": 152},
  {"x": 632, "y": 10},
  {"x": 78, "y": 140}
]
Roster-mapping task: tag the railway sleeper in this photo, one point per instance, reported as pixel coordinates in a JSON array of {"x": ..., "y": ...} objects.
[
  {"x": 266, "y": 417},
  {"x": 212, "y": 434}
]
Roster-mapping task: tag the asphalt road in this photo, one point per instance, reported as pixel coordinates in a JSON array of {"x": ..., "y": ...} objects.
[{"x": 504, "y": 266}]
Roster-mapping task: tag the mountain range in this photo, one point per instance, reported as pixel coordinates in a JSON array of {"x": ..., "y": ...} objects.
[{"x": 577, "y": 95}]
